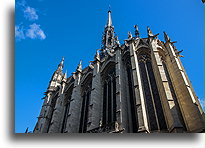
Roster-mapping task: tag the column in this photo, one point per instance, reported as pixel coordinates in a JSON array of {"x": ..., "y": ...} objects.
[
  {"x": 121, "y": 124},
  {"x": 138, "y": 89},
  {"x": 96, "y": 102},
  {"x": 58, "y": 113},
  {"x": 73, "y": 120}
]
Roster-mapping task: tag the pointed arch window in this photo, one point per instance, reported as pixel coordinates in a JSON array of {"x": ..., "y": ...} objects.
[
  {"x": 131, "y": 100},
  {"x": 86, "y": 94},
  {"x": 152, "y": 99},
  {"x": 67, "y": 107},
  {"x": 109, "y": 96},
  {"x": 52, "y": 106}
]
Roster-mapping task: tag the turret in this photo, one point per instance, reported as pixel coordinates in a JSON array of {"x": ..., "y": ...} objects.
[{"x": 57, "y": 77}]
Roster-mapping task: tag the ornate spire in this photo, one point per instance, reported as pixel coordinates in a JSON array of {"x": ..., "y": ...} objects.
[
  {"x": 60, "y": 66},
  {"x": 57, "y": 76},
  {"x": 108, "y": 35},
  {"x": 109, "y": 21}
]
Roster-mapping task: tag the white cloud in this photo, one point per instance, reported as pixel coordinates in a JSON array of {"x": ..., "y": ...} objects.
[
  {"x": 35, "y": 32},
  {"x": 30, "y": 13},
  {"x": 19, "y": 32}
]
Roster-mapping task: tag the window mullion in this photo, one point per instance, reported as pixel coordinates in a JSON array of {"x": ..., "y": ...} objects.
[{"x": 107, "y": 99}]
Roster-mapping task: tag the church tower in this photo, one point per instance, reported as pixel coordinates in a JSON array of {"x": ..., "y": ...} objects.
[{"x": 139, "y": 86}]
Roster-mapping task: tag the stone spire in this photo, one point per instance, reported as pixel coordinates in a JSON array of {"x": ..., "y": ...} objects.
[
  {"x": 108, "y": 35},
  {"x": 59, "y": 70},
  {"x": 57, "y": 76},
  {"x": 109, "y": 21},
  {"x": 60, "y": 66}
]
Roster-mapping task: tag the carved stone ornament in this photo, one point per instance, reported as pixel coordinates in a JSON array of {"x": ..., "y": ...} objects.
[{"x": 129, "y": 35}]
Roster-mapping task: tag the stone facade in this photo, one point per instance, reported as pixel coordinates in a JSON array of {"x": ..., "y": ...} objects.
[{"x": 137, "y": 87}]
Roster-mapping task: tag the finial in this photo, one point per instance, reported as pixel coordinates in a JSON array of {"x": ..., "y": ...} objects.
[
  {"x": 79, "y": 68},
  {"x": 109, "y": 21},
  {"x": 129, "y": 35},
  {"x": 65, "y": 74},
  {"x": 91, "y": 65},
  {"x": 60, "y": 66},
  {"x": 62, "y": 60},
  {"x": 117, "y": 40},
  {"x": 109, "y": 8},
  {"x": 97, "y": 55},
  {"x": 166, "y": 37},
  {"x": 136, "y": 31},
  {"x": 149, "y": 32}
]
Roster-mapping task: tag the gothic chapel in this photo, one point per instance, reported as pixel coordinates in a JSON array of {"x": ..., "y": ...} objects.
[{"x": 138, "y": 87}]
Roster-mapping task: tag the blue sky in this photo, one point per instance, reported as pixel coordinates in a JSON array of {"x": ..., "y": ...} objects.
[{"x": 47, "y": 30}]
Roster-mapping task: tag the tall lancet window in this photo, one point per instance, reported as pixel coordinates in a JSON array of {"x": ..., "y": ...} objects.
[
  {"x": 152, "y": 99},
  {"x": 109, "y": 96},
  {"x": 52, "y": 105},
  {"x": 131, "y": 101},
  {"x": 86, "y": 93},
  {"x": 66, "y": 107}
]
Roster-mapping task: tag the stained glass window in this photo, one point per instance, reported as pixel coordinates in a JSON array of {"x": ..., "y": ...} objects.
[
  {"x": 109, "y": 96},
  {"x": 155, "y": 113}
]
